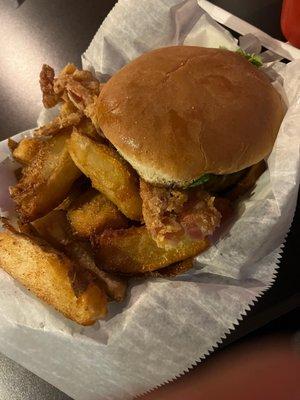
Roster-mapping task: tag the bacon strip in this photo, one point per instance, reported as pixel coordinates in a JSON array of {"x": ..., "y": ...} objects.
[{"x": 172, "y": 214}]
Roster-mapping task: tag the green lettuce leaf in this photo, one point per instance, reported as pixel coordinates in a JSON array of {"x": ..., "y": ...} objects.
[
  {"x": 199, "y": 181},
  {"x": 255, "y": 59}
]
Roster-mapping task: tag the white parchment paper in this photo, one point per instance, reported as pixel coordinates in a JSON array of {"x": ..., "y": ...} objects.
[{"x": 164, "y": 326}]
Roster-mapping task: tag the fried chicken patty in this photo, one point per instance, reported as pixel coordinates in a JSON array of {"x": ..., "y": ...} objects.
[{"x": 171, "y": 214}]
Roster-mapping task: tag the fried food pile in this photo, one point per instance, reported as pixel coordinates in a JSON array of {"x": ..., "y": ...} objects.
[{"x": 86, "y": 221}]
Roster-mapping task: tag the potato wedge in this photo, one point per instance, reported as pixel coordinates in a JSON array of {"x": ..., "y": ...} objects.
[
  {"x": 114, "y": 286},
  {"x": 92, "y": 213},
  {"x": 80, "y": 186},
  {"x": 109, "y": 173},
  {"x": 46, "y": 181},
  {"x": 174, "y": 269},
  {"x": 171, "y": 271},
  {"x": 55, "y": 229},
  {"x": 27, "y": 149},
  {"x": 52, "y": 277},
  {"x": 134, "y": 251}
]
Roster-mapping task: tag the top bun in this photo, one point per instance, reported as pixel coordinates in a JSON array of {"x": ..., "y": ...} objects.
[{"x": 179, "y": 112}]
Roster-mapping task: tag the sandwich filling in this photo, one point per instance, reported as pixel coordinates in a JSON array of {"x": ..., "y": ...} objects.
[{"x": 173, "y": 214}]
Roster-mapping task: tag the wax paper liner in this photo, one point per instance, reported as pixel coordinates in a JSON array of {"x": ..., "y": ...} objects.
[{"x": 165, "y": 325}]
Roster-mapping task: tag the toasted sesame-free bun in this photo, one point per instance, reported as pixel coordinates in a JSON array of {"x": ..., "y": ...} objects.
[{"x": 179, "y": 112}]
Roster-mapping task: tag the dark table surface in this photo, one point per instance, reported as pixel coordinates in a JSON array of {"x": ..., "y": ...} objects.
[{"x": 56, "y": 32}]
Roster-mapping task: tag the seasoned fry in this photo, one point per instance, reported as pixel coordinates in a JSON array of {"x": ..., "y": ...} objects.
[
  {"x": 248, "y": 181},
  {"x": 92, "y": 213},
  {"x": 81, "y": 253},
  {"x": 134, "y": 251},
  {"x": 52, "y": 277},
  {"x": 55, "y": 229},
  {"x": 80, "y": 186},
  {"x": 46, "y": 181},
  {"x": 171, "y": 271},
  {"x": 27, "y": 149},
  {"x": 175, "y": 269},
  {"x": 109, "y": 173}
]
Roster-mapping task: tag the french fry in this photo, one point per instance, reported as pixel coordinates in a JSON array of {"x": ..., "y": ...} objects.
[
  {"x": 27, "y": 149},
  {"x": 56, "y": 230},
  {"x": 80, "y": 186},
  {"x": 109, "y": 173},
  {"x": 52, "y": 277},
  {"x": 114, "y": 285},
  {"x": 134, "y": 251},
  {"x": 92, "y": 213},
  {"x": 175, "y": 269},
  {"x": 46, "y": 181},
  {"x": 171, "y": 271}
]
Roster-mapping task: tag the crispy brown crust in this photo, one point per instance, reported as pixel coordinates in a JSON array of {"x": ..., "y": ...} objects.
[
  {"x": 173, "y": 214},
  {"x": 59, "y": 124},
  {"x": 134, "y": 251},
  {"x": 27, "y": 149},
  {"x": 50, "y": 98},
  {"x": 109, "y": 173},
  {"x": 46, "y": 181},
  {"x": 51, "y": 276},
  {"x": 91, "y": 213},
  {"x": 56, "y": 230},
  {"x": 171, "y": 271}
]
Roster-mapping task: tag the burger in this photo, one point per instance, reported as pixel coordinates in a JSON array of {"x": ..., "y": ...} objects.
[{"x": 191, "y": 121}]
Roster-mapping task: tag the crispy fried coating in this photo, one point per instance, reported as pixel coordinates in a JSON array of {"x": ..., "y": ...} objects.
[
  {"x": 92, "y": 213},
  {"x": 50, "y": 98},
  {"x": 59, "y": 124},
  {"x": 172, "y": 214},
  {"x": 109, "y": 173},
  {"x": 171, "y": 271},
  {"x": 133, "y": 250},
  {"x": 52, "y": 277},
  {"x": 27, "y": 149},
  {"x": 56, "y": 230},
  {"x": 46, "y": 181},
  {"x": 78, "y": 86}
]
